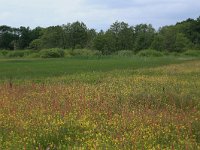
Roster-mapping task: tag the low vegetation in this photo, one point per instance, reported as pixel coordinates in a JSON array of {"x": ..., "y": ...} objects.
[
  {"x": 60, "y": 53},
  {"x": 100, "y": 103},
  {"x": 150, "y": 53}
]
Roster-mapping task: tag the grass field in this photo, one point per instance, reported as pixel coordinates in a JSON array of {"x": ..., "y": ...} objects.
[
  {"x": 40, "y": 69},
  {"x": 104, "y": 103}
]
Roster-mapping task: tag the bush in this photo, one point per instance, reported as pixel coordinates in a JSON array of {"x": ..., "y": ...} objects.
[
  {"x": 150, "y": 53},
  {"x": 34, "y": 55},
  {"x": 166, "y": 53},
  {"x": 4, "y": 52},
  {"x": 19, "y": 53},
  {"x": 67, "y": 53},
  {"x": 193, "y": 53},
  {"x": 175, "y": 54},
  {"x": 15, "y": 54},
  {"x": 85, "y": 52},
  {"x": 36, "y": 44},
  {"x": 124, "y": 53},
  {"x": 52, "y": 53}
]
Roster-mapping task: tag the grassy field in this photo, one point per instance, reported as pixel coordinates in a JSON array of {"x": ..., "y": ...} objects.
[
  {"x": 41, "y": 69},
  {"x": 104, "y": 103}
]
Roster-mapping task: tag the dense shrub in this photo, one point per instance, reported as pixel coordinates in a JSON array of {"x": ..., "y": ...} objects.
[
  {"x": 3, "y": 52},
  {"x": 192, "y": 53},
  {"x": 33, "y": 55},
  {"x": 85, "y": 52},
  {"x": 18, "y": 53},
  {"x": 175, "y": 54},
  {"x": 125, "y": 53},
  {"x": 15, "y": 54},
  {"x": 52, "y": 53},
  {"x": 150, "y": 53},
  {"x": 36, "y": 44}
]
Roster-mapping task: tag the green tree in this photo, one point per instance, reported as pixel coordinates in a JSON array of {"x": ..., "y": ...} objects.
[
  {"x": 78, "y": 35},
  {"x": 123, "y": 35},
  {"x": 168, "y": 35},
  {"x": 90, "y": 38},
  {"x": 36, "y": 44},
  {"x": 52, "y": 37},
  {"x": 144, "y": 36},
  {"x": 8, "y": 37},
  {"x": 104, "y": 42},
  {"x": 181, "y": 43},
  {"x": 24, "y": 37},
  {"x": 157, "y": 43},
  {"x": 67, "y": 42}
]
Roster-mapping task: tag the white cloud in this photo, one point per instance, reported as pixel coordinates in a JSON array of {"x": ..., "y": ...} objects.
[{"x": 96, "y": 13}]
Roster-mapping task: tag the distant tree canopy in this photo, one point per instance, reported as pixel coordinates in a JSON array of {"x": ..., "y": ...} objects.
[{"x": 120, "y": 36}]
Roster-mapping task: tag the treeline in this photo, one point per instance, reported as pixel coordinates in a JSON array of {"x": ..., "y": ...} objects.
[{"x": 120, "y": 36}]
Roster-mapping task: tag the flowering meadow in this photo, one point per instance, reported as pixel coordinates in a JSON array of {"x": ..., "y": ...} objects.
[{"x": 144, "y": 108}]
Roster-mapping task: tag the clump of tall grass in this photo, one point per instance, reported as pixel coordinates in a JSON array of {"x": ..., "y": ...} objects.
[
  {"x": 124, "y": 53},
  {"x": 150, "y": 53},
  {"x": 193, "y": 53},
  {"x": 85, "y": 52},
  {"x": 18, "y": 53}
]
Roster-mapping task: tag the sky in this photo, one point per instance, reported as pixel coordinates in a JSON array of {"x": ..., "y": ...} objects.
[{"x": 97, "y": 14}]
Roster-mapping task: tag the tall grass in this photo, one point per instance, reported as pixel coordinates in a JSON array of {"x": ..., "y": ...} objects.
[{"x": 39, "y": 69}]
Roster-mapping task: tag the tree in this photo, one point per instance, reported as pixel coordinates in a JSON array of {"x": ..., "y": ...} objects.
[
  {"x": 52, "y": 37},
  {"x": 157, "y": 43},
  {"x": 123, "y": 35},
  {"x": 78, "y": 35},
  {"x": 144, "y": 36},
  {"x": 8, "y": 36},
  {"x": 90, "y": 38},
  {"x": 67, "y": 42},
  {"x": 36, "y": 44},
  {"x": 181, "y": 43},
  {"x": 168, "y": 35},
  {"x": 105, "y": 42},
  {"x": 24, "y": 37}
]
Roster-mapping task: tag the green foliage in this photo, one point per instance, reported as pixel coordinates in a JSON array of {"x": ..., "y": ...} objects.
[
  {"x": 167, "y": 39},
  {"x": 19, "y": 53},
  {"x": 78, "y": 35},
  {"x": 52, "y": 37},
  {"x": 150, "y": 53},
  {"x": 33, "y": 55},
  {"x": 8, "y": 36},
  {"x": 181, "y": 43},
  {"x": 125, "y": 53},
  {"x": 144, "y": 36},
  {"x": 175, "y": 53},
  {"x": 85, "y": 52},
  {"x": 194, "y": 53},
  {"x": 157, "y": 43},
  {"x": 52, "y": 53},
  {"x": 105, "y": 43},
  {"x": 120, "y": 36},
  {"x": 4, "y": 52},
  {"x": 36, "y": 44},
  {"x": 25, "y": 38}
]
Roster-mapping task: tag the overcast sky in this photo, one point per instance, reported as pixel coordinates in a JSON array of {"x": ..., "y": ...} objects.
[{"x": 98, "y": 14}]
